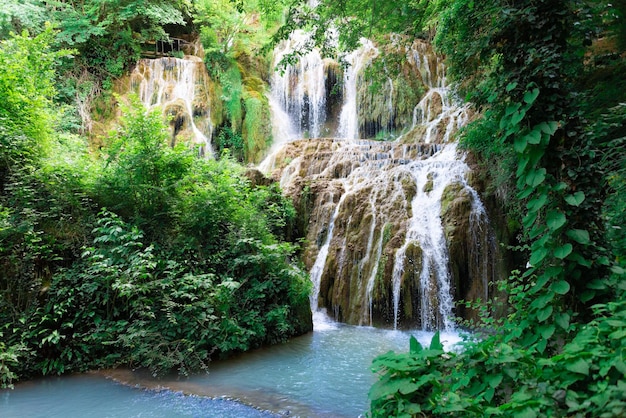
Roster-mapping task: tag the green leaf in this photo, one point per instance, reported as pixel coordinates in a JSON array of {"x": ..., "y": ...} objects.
[
  {"x": 536, "y": 177},
  {"x": 596, "y": 284},
  {"x": 561, "y": 287},
  {"x": 384, "y": 388},
  {"x": 512, "y": 108},
  {"x": 579, "y": 235},
  {"x": 541, "y": 282},
  {"x": 617, "y": 270},
  {"x": 563, "y": 251},
  {"x": 544, "y": 313},
  {"x": 435, "y": 343},
  {"x": 529, "y": 219},
  {"x": 511, "y": 86},
  {"x": 562, "y": 320},
  {"x": 537, "y": 203},
  {"x": 525, "y": 413},
  {"x": 531, "y": 96},
  {"x": 537, "y": 230},
  {"x": 587, "y": 295},
  {"x": 525, "y": 193},
  {"x": 538, "y": 255},
  {"x": 542, "y": 300},
  {"x": 549, "y": 127},
  {"x": 575, "y": 199},
  {"x": 489, "y": 394},
  {"x": 494, "y": 380},
  {"x": 519, "y": 144},
  {"x": 416, "y": 347},
  {"x": 580, "y": 366},
  {"x": 517, "y": 117},
  {"x": 555, "y": 219},
  {"x": 533, "y": 137},
  {"x": 547, "y": 331}
]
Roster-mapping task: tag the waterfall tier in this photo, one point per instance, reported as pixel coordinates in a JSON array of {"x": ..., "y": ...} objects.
[{"x": 180, "y": 88}]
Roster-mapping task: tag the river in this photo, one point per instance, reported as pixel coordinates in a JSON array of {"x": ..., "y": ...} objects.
[{"x": 325, "y": 373}]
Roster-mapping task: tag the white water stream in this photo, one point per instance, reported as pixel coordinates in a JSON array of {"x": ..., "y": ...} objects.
[{"x": 175, "y": 84}]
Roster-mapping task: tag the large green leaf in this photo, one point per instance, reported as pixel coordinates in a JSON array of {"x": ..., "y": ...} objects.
[
  {"x": 536, "y": 177},
  {"x": 531, "y": 96},
  {"x": 544, "y": 313},
  {"x": 520, "y": 143},
  {"x": 579, "y": 235},
  {"x": 534, "y": 137},
  {"x": 537, "y": 203},
  {"x": 538, "y": 255},
  {"x": 579, "y": 366},
  {"x": 548, "y": 127},
  {"x": 555, "y": 219},
  {"x": 561, "y": 287},
  {"x": 517, "y": 117},
  {"x": 575, "y": 199},
  {"x": 435, "y": 343},
  {"x": 563, "y": 251},
  {"x": 415, "y": 346},
  {"x": 562, "y": 320}
]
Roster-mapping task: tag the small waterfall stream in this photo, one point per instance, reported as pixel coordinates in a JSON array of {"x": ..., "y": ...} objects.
[
  {"x": 299, "y": 90},
  {"x": 178, "y": 87},
  {"x": 357, "y": 61}
]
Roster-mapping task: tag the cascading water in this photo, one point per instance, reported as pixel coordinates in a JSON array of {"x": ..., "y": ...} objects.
[
  {"x": 357, "y": 61},
  {"x": 178, "y": 87},
  {"x": 384, "y": 215},
  {"x": 299, "y": 90}
]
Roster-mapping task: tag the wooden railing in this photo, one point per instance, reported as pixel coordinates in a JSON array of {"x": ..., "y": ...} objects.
[{"x": 155, "y": 49}]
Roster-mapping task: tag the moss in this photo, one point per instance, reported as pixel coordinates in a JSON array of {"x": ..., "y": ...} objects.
[
  {"x": 428, "y": 187},
  {"x": 387, "y": 93},
  {"x": 256, "y": 130},
  {"x": 411, "y": 284}
]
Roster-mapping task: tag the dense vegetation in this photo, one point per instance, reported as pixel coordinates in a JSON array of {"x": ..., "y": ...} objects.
[
  {"x": 137, "y": 253},
  {"x": 142, "y": 254}
]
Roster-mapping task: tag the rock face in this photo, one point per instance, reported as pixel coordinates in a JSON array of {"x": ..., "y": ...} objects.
[{"x": 394, "y": 233}]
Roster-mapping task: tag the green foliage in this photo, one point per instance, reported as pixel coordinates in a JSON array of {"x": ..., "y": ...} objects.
[
  {"x": 186, "y": 238},
  {"x": 17, "y": 16},
  {"x": 558, "y": 349},
  {"x": 140, "y": 176},
  {"x": 494, "y": 376},
  {"x": 26, "y": 90}
]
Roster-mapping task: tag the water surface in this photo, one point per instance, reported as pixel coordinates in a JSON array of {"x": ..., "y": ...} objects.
[{"x": 322, "y": 374}]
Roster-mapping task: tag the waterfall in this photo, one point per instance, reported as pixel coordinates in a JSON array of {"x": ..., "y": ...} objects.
[
  {"x": 426, "y": 229},
  {"x": 384, "y": 216},
  {"x": 357, "y": 61},
  {"x": 299, "y": 90},
  {"x": 178, "y": 87}
]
